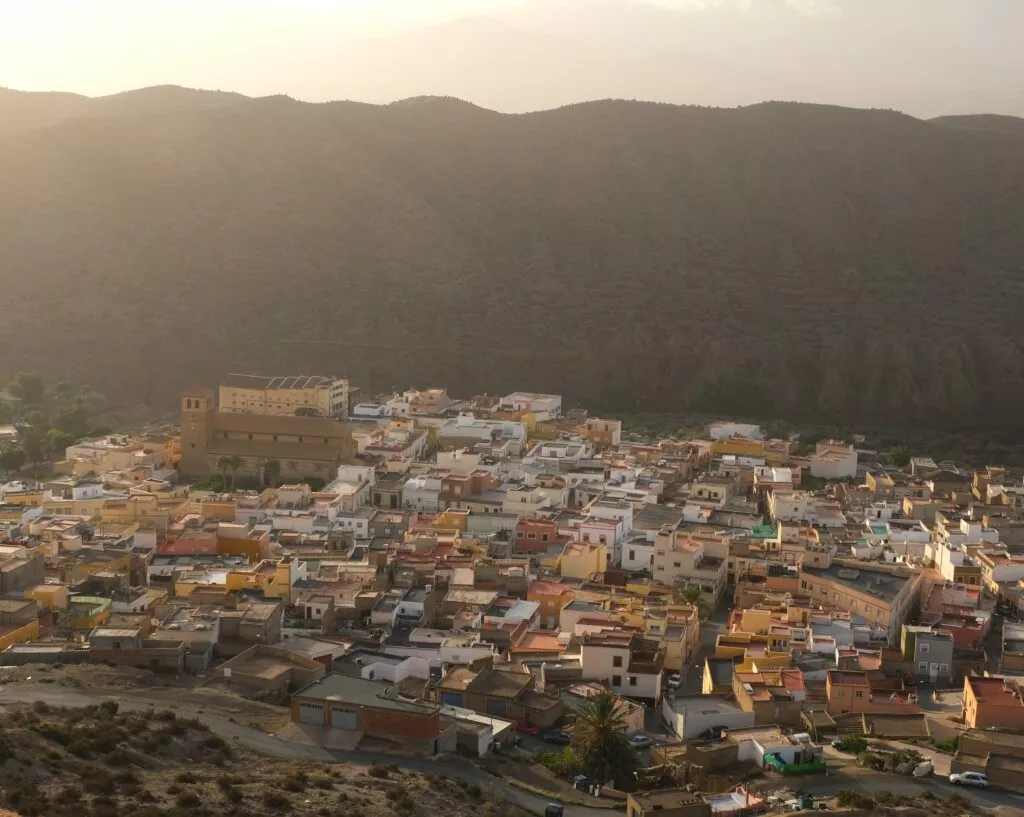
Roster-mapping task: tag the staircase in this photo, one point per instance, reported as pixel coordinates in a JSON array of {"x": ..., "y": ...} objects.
[{"x": 852, "y": 724}]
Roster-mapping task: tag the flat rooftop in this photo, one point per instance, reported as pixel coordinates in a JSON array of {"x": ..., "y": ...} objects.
[
  {"x": 360, "y": 692},
  {"x": 704, "y": 705},
  {"x": 882, "y": 585}
]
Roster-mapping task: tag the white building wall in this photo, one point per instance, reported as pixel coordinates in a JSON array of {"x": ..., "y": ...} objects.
[
  {"x": 687, "y": 721},
  {"x": 637, "y": 556}
]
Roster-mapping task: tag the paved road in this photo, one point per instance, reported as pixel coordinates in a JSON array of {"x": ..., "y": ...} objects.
[{"x": 908, "y": 786}]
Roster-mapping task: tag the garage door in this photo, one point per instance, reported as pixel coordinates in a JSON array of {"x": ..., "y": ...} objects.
[
  {"x": 344, "y": 719},
  {"x": 311, "y": 713}
]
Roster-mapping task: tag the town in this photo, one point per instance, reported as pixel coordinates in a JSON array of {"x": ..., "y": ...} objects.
[{"x": 724, "y": 624}]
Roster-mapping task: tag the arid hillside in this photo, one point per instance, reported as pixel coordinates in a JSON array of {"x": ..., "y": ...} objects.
[{"x": 780, "y": 260}]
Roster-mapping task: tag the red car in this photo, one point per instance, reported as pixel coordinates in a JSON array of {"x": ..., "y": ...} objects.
[{"x": 527, "y": 728}]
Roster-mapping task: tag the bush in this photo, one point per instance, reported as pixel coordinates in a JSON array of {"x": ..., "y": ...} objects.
[
  {"x": 97, "y": 781},
  {"x": 949, "y": 746},
  {"x": 186, "y": 777},
  {"x": 108, "y": 708},
  {"x": 276, "y": 800},
  {"x": 566, "y": 763},
  {"x": 117, "y": 757},
  {"x": 188, "y": 799},
  {"x": 854, "y": 744},
  {"x": 214, "y": 742},
  {"x": 847, "y": 798},
  {"x": 378, "y": 770},
  {"x": 226, "y": 781},
  {"x": 475, "y": 791}
]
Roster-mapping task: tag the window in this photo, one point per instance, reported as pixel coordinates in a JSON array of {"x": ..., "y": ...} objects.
[
  {"x": 924, "y": 647},
  {"x": 659, "y": 568},
  {"x": 867, "y": 608},
  {"x": 943, "y": 667},
  {"x": 676, "y": 564},
  {"x": 617, "y": 661},
  {"x": 840, "y": 693},
  {"x": 803, "y": 585},
  {"x": 543, "y": 536},
  {"x": 923, "y": 666},
  {"x": 531, "y": 536},
  {"x": 632, "y": 680},
  {"x": 632, "y": 555},
  {"x": 519, "y": 534},
  {"x": 616, "y": 680},
  {"x": 860, "y": 693},
  {"x": 660, "y": 552}
]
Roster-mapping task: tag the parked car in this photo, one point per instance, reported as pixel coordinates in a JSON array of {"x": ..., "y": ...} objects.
[
  {"x": 674, "y": 680},
  {"x": 976, "y": 779},
  {"x": 553, "y": 810},
  {"x": 640, "y": 742},
  {"x": 559, "y": 738},
  {"x": 527, "y": 728}
]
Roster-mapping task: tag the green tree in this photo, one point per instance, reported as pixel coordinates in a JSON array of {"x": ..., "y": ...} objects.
[
  {"x": 691, "y": 594},
  {"x": 234, "y": 464},
  {"x": 778, "y": 430},
  {"x": 72, "y": 418},
  {"x": 899, "y": 456},
  {"x": 34, "y": 417},
  {"x": 57, "y": 441},
  {"x": 29, "y": 387},
  {"x": 599, "y": 737},
  {"x": 223, "y": 465},
  {"x": 6, "y": 412},
  {"x": 271, "y": 472},
  {"x": 35, "y": 447},
  {"x": 13, "y": 459}
]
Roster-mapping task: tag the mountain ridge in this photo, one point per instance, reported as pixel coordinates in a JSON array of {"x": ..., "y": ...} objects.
[{"x": 781, "y": 259}]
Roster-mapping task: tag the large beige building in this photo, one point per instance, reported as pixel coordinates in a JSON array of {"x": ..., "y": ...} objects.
[
  {"x": 883, "y": 595},
  {"x": 304, "y": 446},
  {"x": 252, "y": 394}
]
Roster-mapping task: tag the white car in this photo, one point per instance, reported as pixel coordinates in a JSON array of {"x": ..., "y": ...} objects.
[
  {"x": 674, "y": 680},
  {"x": 640, "y": 741},
  {"x": 969, "y": 779}
]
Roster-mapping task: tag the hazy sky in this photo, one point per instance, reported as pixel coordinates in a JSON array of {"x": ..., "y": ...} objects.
[{"x": 924, "y": 56}]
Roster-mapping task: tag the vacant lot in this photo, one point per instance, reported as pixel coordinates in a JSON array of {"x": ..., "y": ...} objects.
[{"x": 96, "y": 761}]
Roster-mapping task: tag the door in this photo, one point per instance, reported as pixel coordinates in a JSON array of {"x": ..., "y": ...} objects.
[
  {"x": 344, "y": 719},
  {"x": 311, "y": 713}
]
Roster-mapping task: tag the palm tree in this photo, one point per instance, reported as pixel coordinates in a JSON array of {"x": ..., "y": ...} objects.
[
  {"x": 224, "y": 465},
  {"x": 271, "y": 471},
  {"x": 599, "y": 736},
  {"x": 234, "y": 463}
]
